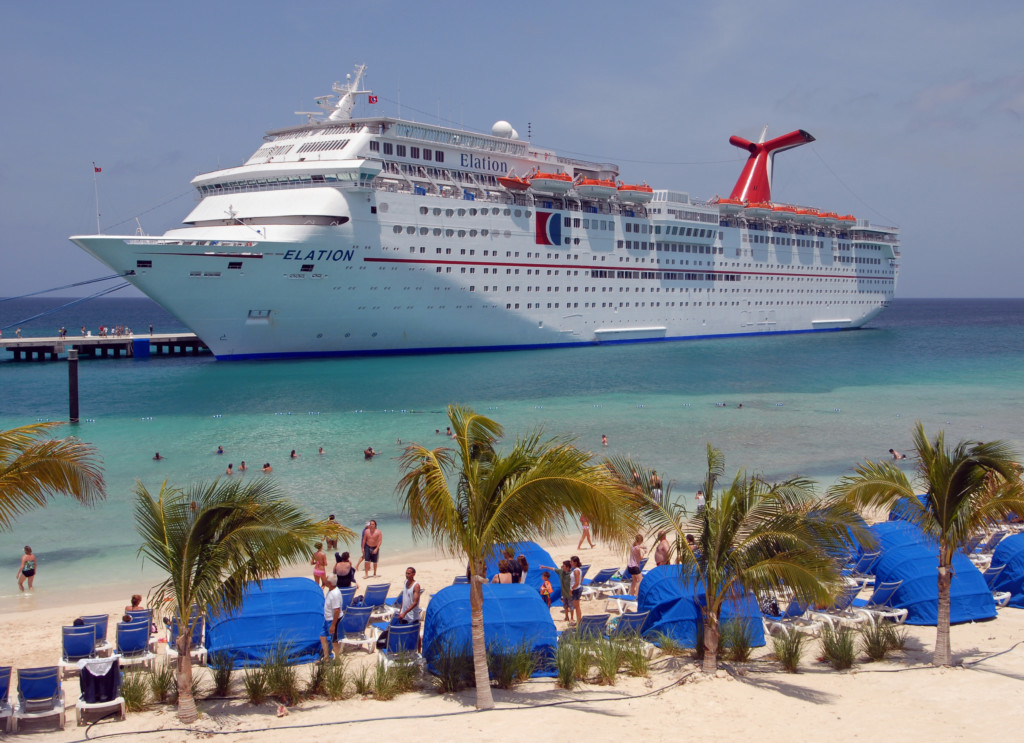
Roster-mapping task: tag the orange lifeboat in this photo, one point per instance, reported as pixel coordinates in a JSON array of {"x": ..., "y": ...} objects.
[
  {"x": 847, "y": 222},
  {"x": 556, "y": 183},
  {"x": 829, "y": 219},
  {"x": 513, "y": 183},
  {"x": 784, "y": 211},
  {"x": 595, "y": 188},
  {"x": 758, "y": 210},
  {"x": 635, "y": 194},
  {"x": 806, "y": 214},
  {"x": 730, "y": 206}
]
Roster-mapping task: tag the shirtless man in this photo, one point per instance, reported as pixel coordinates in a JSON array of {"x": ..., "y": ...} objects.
[{"x": 372, "y": 539}]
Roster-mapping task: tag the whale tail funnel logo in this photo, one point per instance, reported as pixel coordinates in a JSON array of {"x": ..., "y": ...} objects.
[{"x": 755, "y": 182}]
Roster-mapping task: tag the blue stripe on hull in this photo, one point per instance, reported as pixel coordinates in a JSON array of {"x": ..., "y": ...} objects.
[{"x": 527, "y": 347}]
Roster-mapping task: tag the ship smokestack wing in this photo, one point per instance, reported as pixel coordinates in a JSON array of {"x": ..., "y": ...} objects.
[{"x": 755, "y": 182}]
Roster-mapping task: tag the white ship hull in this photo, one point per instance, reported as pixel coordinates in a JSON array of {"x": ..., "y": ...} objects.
[{"x": 381, "y": 257}]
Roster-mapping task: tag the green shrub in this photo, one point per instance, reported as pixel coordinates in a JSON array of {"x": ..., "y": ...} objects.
[
  {"x": 453, "y": 666},
  {"x": 510, "y": 666},
  {"x": 385, "y": 682},
  {"x": 607, "y": 657},
  {"x": 879, "y": 638},
  {"x": 161, "y": 684},
  {"x": 282, "y": 677},
  {"x": 335, "y": 679},
  {"x": 222, "y": 664},
  {"x": 256, "y": 687},
  {"x": 317, "y": 671},
  {"x": 197, "y": 685},
  {"x": 669, "y": 645},
  {"x": 572, "y": 661},
  {"x": 736, "y": 637},
  {"x": 135, "y": 687},
  {"x": 635, "y": 657},
  {"x": 788, "y": 649},
  {"x": 363, "y": 682},
  {"x": 837, "y": 647}
]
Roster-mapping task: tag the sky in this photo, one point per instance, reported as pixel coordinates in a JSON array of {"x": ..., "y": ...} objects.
[{"x": 916, "y": 107}]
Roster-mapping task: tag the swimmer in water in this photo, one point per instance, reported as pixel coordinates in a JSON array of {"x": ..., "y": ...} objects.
[
  {"x": 294, "y": 455},
  {"x": 267, "y": 467},
  {"x": 242, "y": 467},
  {"x": 220, "y": 449},
  {"x": 897, "y": 455},
  {"x": 157, "y": 456},
  {"x": 604, "y": 440},
  {"x": 229, "y": 470}
]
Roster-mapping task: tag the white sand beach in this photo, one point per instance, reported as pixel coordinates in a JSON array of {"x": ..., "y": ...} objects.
[{"x": 899, "y": 699}]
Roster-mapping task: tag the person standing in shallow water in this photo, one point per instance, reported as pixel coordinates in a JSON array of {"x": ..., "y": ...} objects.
[{"x": 27, "y": 569}]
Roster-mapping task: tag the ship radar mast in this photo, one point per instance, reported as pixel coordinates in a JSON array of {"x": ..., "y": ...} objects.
[{"x": 342, "y": 110}]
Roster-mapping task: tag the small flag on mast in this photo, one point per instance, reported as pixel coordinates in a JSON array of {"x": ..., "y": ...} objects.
[
  {"x": 372, "y": 98},
  {"x": 96, "y": 169}
]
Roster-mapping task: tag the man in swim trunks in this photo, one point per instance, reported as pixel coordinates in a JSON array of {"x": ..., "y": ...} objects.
[
  {"x": 372, "y": 539},
  {"x": 27, "y": 569}
]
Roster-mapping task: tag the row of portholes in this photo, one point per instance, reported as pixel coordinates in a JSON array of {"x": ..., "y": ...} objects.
[
  {"x": 496, "y": 211},
  {"x": 437, "y": 232}
]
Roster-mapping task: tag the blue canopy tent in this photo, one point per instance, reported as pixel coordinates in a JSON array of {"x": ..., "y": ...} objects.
[
  {"x": 901, "y": 511},
  {"x": 675, "y": 608},
  {"x": 514, "y": 615},
  {"x": 1010, "y": 552},
  {"x": 536, "y": 556},
  {"x": 288, "y": 611},
  {"x": 910, "y": 556}
]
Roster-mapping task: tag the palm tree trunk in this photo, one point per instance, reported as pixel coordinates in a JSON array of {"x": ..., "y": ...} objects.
[
  {"x": 484, "y": 699},
  {"x": 711, "y": 630},
  {"x": 943, "y": 654},
  {"x": 187, "y": 711}
]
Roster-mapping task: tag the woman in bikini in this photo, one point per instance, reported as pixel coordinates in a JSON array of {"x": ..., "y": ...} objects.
[
  {"x": 27, "y": 569},
  {"x": 319, "y": 563}
]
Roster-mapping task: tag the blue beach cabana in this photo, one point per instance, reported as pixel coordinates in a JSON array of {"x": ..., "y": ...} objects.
[
  {"x": 910, "y": 556},
  {"x": 287, "y": 611},
  {"x": 536, "y": 556},
  {"x": 514, "y": 615},
  {"x": 675, "y": 608},
  {"x": 1010, "y": 552}
]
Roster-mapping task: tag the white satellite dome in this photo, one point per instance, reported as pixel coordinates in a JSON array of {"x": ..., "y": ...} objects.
[{"x": 504, "y": 130}]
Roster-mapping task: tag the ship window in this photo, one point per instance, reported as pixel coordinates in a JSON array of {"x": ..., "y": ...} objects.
[
  {"x": 414, "y": 152},
  {"x": 428, "y": 154},
  {"x": 410, "y": 230},
  {"x": 439, "y": 156},
  {"x": 424, "y": 230},
  {"x": 449, "y": 213},
  {"x": 307, "y": 267},
  {"x": 397, "y": 229},
  {"x": 388, "y": 148},
  {"x": 462, "y": 212},
  {"x": 143, "y": 264},
  {"x": 374, "y": 145},
  {"x": 423, "y": 210},
  {"x": 437, "y": 232},
  {"x": 400, "y": 150},
  {"x": 518, "y": 212},
  {"x": 234, "y": 264}
]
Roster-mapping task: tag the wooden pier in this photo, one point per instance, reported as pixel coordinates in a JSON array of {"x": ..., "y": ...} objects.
[{"x": 96, "y": 347}]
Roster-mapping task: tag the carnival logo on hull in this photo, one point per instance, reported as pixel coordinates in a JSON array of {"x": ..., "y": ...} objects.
[{"x": 549, "y": 229}]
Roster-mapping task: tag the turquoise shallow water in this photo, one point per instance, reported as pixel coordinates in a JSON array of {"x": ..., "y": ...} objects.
[{"x": 812, "y": 404}]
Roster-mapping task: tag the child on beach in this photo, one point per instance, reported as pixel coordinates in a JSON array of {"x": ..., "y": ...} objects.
[
  {"x": 564, "y": 576},
  {"x": 546, "y": 589}
]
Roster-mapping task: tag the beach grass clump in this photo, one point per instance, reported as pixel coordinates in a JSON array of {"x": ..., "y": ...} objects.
[
  {"x": 363, "y": 682},
  {"x": 736, "y": 638},
  {"x": 879, "y": 638},
  {"x": 394, "y": 679},
  {"x": 509, "y": 666},
  {"x": 788, "y": 649},
  {"x": 607, "y": 658},
  {"x": 453, "y": 666},
  {"x": 635, "y": 657},
  {"x": 837, "y": 647},
  {"x": 669, "y": 645},
  {"x": 161, "y": 684},
  {"x": 135, "y": 690},
  {"x": 282, "y": 676},
  {"x": 572, "y": 661},
  {"x": 315, "y": 682},
  {"x": 335, "y": 679},
  {"x": 222, "y": 664},
  {"x": 256, "y": 687},
  {"x": 197, "y": 685}
]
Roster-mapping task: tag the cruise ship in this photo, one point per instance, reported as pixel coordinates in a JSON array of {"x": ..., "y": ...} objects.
[{"x": 378, "y": 235}]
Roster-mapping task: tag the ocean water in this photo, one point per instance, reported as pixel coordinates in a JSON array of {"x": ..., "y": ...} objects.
[{"x": 812, "y": 404}]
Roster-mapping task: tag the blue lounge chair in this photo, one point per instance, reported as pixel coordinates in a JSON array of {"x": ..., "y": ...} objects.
[
  {"x": 353, "y": 626},
  {"x": 862, "y": 569},
  {"x": 1002, "y": 598},
  {"x": 101, "y": 689},
  {"x": 376, "y": 597},
  {"x": 5, "y": 699},
  {"x": 347, "y": 596},
  {"x": 592, "y": 626},
  {"x": 983, "y": 552},
  {"x": 603, "y": 583},
  {"x": 402, "y": 645},
  {"x": 793, "y": 619},
  {"x": 198, "y": 649},
  {"x": 460, "y": 579},
  {"x": 879, "y": 606},
  {"x": 145, "y": 615},
  {"x": 841, "y": 611},
  {"x": 132, "y": 644},
  {"x": 629, "y": 625},
  {"x": 99, "y": 623},
  {"x": 75, "y": 643},
  {"x": 39, "y": 695}
]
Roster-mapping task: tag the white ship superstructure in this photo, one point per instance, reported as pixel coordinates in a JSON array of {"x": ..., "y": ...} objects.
[{"x": 355, "y": 236}]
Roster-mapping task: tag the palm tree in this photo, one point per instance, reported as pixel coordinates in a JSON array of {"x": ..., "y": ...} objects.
[
  {"x": 211, "y": 539},
  {"x": 33, "y": 468},
  {"x": 963, "y": 497},
  {"x": 497, "y": 498},
  {"x": 757, "y": 536}
]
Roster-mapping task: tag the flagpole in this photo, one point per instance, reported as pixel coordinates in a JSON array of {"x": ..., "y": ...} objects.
[{"x": 96, "y": 190}]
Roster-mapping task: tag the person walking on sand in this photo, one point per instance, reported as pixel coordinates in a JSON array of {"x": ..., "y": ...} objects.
[
  {"x": 27, "y": 569},
  {"x": 372, "y": 539},
  {"x": 585, "y": 537},
  {"x": 662, "y": 550},
  {"x": 636, "y": 556},
  {"x": 319, "y": 563},
  {"x": 331, "y": 537}
]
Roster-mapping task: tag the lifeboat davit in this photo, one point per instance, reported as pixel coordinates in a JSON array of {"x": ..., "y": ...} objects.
[
  {"x": 635, "y": 194},
  {"x": 595, "y": 188},
  {"x": 730, "y": 206},
  {"x": 758, "y": 210},
  {"x": 513, "y": 183},
  {"x": 557, "y": 183}
]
